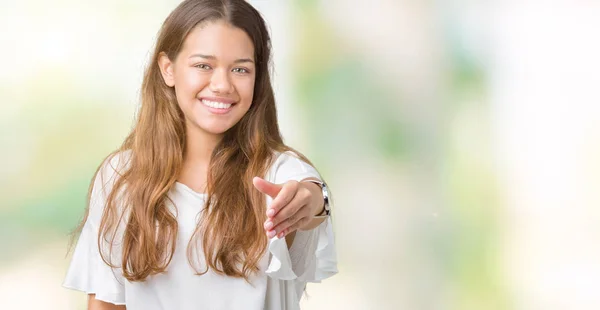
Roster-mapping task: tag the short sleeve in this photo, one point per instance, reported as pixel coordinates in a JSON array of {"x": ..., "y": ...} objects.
[
  {"x": 87, "y": 271},
  {"x": 312, "y": 256}
]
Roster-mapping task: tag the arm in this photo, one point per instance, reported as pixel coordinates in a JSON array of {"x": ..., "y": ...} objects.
[
  {"x": 308, "y": 253},
  {"x": 316, "y": 205},
  {"x": 293, "y": 208},
  {"x": 95, "y": 304},
  {"x": 88, "y": 272}
]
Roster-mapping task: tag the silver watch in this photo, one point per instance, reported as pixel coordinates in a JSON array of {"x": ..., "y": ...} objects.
[{"x": 324, "y": 189}]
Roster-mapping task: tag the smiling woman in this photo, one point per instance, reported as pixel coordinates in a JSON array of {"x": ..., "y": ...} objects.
[{"x": 194, "y": 206}]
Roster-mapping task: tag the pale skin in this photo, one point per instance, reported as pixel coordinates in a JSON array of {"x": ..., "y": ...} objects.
[{"x": 216, "y": 63}]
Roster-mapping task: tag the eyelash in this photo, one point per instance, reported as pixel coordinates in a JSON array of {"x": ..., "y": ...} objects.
[
  {"x": 207, "y": 67},
  {"x": 246, "y": 71},
  {"x": 201, "y": 66}
]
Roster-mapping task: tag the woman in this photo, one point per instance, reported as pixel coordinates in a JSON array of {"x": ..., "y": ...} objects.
[{"x": 204, "y": 206}]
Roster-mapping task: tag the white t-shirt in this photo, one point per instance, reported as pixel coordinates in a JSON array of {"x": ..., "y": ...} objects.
[{"x": 279, "y": 284}]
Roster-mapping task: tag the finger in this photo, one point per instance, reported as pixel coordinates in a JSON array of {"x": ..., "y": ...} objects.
[
  {"x": 266, "y": 187},
  {"x": 301, "y": 197},
  {"x": 297, "y": 208},
  {"x": 289, "y": 225},
  {"x": 294, "y": 227},
  {"x": 285, "y": 196},
  {"x": 294, "y": 210},
  {"x": 289, "y": 211}
]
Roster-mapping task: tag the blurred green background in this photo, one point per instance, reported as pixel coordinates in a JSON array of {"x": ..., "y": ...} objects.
[{"x": 460, "y": 138}]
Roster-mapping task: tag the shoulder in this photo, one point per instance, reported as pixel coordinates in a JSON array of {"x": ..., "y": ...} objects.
[
  {"x": 116, "y": 162},
  {"x": 283, "y": 156},
  {"x": 288, "y": 159},
  {"x": 288, "y": 165},
  {"x": 113, "y": 166}
]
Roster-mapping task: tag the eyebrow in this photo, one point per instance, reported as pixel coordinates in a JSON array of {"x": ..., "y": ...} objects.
[{"x": 211, "y": 57}]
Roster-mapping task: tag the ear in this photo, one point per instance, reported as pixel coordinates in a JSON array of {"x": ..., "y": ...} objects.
[{"x": 166, "y": 69}]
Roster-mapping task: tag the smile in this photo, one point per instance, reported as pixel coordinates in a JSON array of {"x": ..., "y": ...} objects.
[{"x": 216, "y": 104}]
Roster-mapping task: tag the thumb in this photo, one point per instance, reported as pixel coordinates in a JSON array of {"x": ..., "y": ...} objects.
[{"x": 266, "y": 187}]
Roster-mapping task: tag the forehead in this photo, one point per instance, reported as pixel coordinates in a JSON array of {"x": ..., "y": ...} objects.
[{"x": 220, "y": 39}]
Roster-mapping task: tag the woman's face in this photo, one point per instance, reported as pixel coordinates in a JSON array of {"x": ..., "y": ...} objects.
[{"x": 213, "y": 76}]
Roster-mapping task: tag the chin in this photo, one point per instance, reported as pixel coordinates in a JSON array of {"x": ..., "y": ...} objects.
[{"x": 215, "y": 130}]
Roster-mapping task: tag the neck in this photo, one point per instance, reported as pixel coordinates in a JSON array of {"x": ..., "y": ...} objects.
[{"x": 199, "y": 147}]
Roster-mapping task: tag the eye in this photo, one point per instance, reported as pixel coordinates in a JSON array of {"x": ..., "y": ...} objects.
[
  {"x": 202, "y": 66},
  {"x": 241, "y": 70}
]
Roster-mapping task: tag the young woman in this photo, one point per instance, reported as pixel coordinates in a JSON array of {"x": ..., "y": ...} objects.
[{"x": 204, "y": 206}]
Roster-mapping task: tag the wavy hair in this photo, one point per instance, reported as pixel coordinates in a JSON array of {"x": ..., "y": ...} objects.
[{"x": 230, "y": 226}]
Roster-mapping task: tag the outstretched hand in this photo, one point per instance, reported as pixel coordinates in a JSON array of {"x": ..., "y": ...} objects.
[{"x": 291, "y": 209}]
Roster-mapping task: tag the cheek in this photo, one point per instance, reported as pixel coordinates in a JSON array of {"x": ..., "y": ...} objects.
[
  {"x": 246, "y": 90},
  {"x": 190, "y": 82},
  {"x": 187, "y": 86}
]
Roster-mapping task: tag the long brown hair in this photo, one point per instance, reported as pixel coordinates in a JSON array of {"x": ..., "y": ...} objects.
[{"x": 230, "y": 226}]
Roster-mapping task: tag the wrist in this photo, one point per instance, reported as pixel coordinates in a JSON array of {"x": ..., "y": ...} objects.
[
  {"x": 317, "y": 203},
  {"x": 319, "y": 210}
]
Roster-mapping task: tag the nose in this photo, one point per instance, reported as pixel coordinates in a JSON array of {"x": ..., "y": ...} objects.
[{"x": 220, "y": 83}]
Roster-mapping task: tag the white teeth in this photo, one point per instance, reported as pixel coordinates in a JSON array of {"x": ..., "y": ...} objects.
[{"x": 216, "y": 105}]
